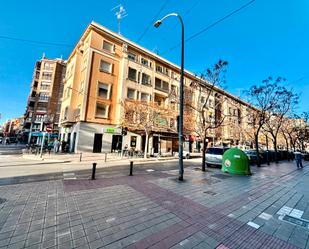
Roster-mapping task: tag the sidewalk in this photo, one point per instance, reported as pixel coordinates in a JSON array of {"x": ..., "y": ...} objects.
[{"x": 153, "y": 210}]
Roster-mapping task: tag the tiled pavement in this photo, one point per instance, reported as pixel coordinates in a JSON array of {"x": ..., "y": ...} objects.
[{"x": 153, "y": 210}]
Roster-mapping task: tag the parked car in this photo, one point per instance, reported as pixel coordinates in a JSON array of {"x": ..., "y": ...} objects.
[
  {"x": 185, "y": 154},
  {"x": 214, "y": 156},
  {"x": 252, "y": 156}
]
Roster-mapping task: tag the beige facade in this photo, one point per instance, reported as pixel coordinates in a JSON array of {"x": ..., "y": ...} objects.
[{"x": 105, "y": 69}]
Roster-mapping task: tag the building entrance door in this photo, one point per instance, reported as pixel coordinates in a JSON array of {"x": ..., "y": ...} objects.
[
  {"x": 97, "y": 143},
  {"x": 116, "y": 143}
]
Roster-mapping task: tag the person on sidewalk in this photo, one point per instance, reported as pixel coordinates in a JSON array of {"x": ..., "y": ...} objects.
[
  {"x": 298, "y": 159},
  {"x": 50, "y": 145},
  {"x": 56, "y": 146}
]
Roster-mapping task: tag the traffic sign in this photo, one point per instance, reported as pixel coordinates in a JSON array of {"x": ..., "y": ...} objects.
[{"x": 49, "y": 129}]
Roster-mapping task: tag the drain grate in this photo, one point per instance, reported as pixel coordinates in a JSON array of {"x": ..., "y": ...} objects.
[
  {"x": 296, "y": 221},
  {"x": 2, "y": 200},
  {"x": 221, "y": 176}
]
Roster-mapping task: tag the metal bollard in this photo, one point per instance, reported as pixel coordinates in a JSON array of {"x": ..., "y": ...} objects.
[
  {"x": 105, "y": 157},
  {"x": 131, "y": 168},
  {"x": 80, "y": 157},
  {"x": 94, "y": 166}
]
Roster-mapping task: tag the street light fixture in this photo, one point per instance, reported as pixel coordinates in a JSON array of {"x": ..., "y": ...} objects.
[{"x": 180, "y": 124}]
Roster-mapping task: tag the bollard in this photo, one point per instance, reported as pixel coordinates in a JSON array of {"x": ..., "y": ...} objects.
[
  {"x": 80, "y": 157},
  {"x": 105, "y": 157},
  {"x": 94, "y": 166},
  {"x": 131, "y": 168}
]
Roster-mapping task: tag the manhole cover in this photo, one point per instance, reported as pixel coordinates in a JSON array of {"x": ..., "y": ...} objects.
[
  {"x": 210, "y": 192},
  {"x": 208, "y": 181},
  {"x": 297, "y": 221},
  {"x": 221, "y": 176},
  {"x": 2, "y": 200}
]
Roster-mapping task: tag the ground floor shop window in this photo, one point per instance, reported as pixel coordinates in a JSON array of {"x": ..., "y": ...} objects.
[{"x": 133, "y": 141}]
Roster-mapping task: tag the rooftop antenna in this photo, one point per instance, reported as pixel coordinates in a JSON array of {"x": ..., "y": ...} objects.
[{"x": 120, "y": 14}]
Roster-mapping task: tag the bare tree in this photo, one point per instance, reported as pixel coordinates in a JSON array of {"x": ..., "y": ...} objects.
[
  {"x": 145, "y": 117},
  {"x": 285, "y": 103},
  {"x": 204, "y": 114},
  {"x": 301, "y": 130},
  {"x": 265, "y": 98}
]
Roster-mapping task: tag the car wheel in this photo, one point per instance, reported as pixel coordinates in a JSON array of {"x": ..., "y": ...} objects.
[{"x": 187, "y": 156}]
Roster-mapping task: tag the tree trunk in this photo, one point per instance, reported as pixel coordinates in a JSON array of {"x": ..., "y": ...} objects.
[
  {"x": 267, "y": 155},
  {"x": 276, "y": 150},
  {"x": 287, "y": 147},
  {"x": 258, "y": 161},
  {"x": 204, "y": 154},
  {"x": 146, "y": 145}
]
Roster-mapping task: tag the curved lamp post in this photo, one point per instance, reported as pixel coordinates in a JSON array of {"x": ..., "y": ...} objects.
[{"x": 180, "y": 121}]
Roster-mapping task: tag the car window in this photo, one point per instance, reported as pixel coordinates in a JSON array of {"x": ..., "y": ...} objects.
[{"x": 215, "y": 151}]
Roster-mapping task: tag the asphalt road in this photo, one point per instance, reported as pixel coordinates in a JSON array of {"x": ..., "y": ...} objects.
[{"x": 15, "y": 169}]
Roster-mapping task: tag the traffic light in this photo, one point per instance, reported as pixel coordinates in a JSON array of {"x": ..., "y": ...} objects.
[{"x": 124, "y": 131}]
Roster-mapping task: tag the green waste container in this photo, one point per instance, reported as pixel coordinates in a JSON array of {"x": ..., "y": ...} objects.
[{"x": 235, "y": 161}]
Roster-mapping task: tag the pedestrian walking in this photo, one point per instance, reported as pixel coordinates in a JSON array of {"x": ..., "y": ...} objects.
[
  {"x": 50, "y": 145},
  {"x": 298, "y": 159},
  {"x": 56, "y": 146}
]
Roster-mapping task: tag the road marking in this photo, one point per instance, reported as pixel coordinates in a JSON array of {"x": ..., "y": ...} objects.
[
  {"x": 284, "y": 210},
  {"x": 265, "y": 216},
  {"x": 231, "y": 215},
  {"x": 254, "y": 225},
  {"x": 69, "y": 176},
  {"x": 110, "y": 219},
  {"x": 143, "y": 209},
  {"x": 183, "y": 242},
  {"x": 63, "y": 234},
  {"x": 296, "y": 213},
  {"x": 149, "y": 170}
]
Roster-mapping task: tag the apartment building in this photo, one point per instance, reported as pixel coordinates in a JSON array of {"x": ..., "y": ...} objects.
[
  {"x": 44, "y": 101},
  {"x": 104, "y": 70}
]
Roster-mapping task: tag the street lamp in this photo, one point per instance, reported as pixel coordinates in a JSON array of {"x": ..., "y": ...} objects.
[{"x": 180, "y": 123}]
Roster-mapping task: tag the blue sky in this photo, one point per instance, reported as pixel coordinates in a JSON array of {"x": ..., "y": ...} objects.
[{"x": 270, "y": 37}]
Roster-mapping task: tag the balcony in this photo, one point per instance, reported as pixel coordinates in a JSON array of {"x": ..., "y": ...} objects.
[{"x": 161, "y": 85}]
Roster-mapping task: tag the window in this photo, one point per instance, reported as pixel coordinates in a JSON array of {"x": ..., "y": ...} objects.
[
  {"x": 131, "y": 93},
  {"x": 202, "y": 100},
  {"x": 77, "y": 111},
  {"x": 65, "y": 115},
  {"x": 144, "y": 96},
  {"x": 146, "y": 80},
  {"x": 161, "y": 85},
  {"x": 101, "y": 111},
  {"x": 108, "y": 46},
  {"x": 133, "y": 141},
  {"x": 145, "y": 62},
  {"x": 162, "y": 70},
  {"x": 44, "y": 96},
  {"x": 47, "y": 76},
  {"x": 132, "y": 74},
  {"x": 48, "y": 66},
  {"x": 39, "y": 118},
  {"x": 159, "y": 69},
  {"x": 105, "y": 67},
  {"x": 45, "y": 86},
  {"x": 103, "y": 90},
  {"x": 132, "y": 57},
  {"x": 174, "y": 90}
]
